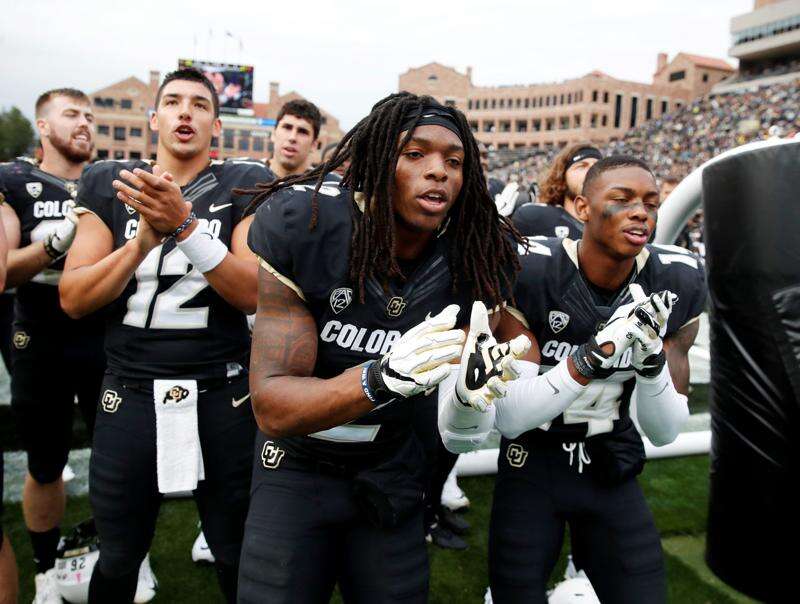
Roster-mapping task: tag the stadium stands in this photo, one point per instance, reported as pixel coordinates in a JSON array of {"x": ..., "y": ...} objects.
[{"x": 682, "y": 140}]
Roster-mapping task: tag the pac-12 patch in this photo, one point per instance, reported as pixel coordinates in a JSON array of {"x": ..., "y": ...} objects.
[
  {"x": 558, "y": 320},
  {"x": 34, "y": 189},
  {"x": 340, "y": 299}
]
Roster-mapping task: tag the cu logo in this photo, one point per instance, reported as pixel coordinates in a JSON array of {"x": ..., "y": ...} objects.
[
  {"x": 516, "y": 455},
  {"x": 110, "y": 401},
  {"x": 395, "y": 307},
  {"x": 21, "y": 340},
  {"x": 271, "y": 455}
]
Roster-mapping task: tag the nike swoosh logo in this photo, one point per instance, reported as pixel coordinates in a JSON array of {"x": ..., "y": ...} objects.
[
  {"x": 238, "y": 401},
  {"x": 215, "y": 208},
  {"x": 555, "y": 390}
]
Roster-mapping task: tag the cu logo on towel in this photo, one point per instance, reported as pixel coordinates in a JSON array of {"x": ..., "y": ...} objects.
[
  {"x": 175, "y": 394},
  {"x": 516, "y": 455},
  {"x": 271, "y": 455}
]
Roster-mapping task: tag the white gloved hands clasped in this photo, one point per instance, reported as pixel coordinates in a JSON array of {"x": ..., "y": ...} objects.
[
  {"x": 486, "y": 366},
  {"x": 418, "y": 361}
]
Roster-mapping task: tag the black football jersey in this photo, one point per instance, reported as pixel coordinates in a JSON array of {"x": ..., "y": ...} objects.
[
  {"x": 555, "y": 300},
  {"x": 169, "y": 322},
  {"x": 40, "y": 201},
  {"x": 541, "y": 220},
  {"x": 315, "y": 264}
]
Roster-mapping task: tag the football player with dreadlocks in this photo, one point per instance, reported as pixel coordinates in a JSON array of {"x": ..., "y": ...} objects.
[{"x": 362, "y": 289}]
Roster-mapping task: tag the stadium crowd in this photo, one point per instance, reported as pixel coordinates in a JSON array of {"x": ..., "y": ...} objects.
[{"x": 680, "y": 141}]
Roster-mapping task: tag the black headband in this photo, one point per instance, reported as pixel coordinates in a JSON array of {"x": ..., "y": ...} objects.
[
  {"x": 581, "y": 154},
  {"x": 431, "y": 116}
]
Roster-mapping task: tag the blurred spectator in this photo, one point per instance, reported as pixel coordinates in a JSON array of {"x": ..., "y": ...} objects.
[{"x": 555, "y": 214}]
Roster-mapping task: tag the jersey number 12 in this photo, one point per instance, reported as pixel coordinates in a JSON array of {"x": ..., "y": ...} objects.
[{"x": 167, "y": 312}]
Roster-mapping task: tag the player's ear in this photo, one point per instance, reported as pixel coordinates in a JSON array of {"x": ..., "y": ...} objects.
[
  {"x": 43, "y": 126},
  {"x": 154, "y": 121},
  {"x": 582, "y": 208},
  {"x": 216, "y": 128}
]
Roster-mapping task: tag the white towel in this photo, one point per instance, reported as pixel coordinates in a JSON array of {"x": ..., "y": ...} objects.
[{"x": 178, "y": 455}]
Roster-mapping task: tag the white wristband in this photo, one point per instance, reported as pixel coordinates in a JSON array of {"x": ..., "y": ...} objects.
[{"x": 202, "y": 249}]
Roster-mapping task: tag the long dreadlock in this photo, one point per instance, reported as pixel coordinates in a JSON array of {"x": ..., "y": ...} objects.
[{"x": 482, "y": 243}]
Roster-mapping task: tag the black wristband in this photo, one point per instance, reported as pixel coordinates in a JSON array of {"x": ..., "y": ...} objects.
[
  {"x": 653, "y": 365},
  {"x": 51, "y": 251},
  {"x": 374, "y": 386},
  {"x": 586, "y": 362},
  {"x": 184, "y": 225}
]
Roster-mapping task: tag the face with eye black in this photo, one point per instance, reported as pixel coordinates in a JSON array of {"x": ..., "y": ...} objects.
[
  {"x": 428, "y": 178},
  {"x": 620, "y": 209}
]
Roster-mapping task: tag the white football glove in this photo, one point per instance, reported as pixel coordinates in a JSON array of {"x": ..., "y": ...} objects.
[
  {"x": 652, "y": 317},
  {"x": 590, "y": 359},
  {"x": 648, "y": 356},
  {"x": 64, "y": 234},
  {"x": 507, "y": 199},
  {"x": 654, "y": 314},
  {"x": 486, "y": 366},
  {"x": 418, "y": 361}
]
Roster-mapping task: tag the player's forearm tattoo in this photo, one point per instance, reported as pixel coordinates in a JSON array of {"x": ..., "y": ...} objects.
[{"x": 285, "y": 335}]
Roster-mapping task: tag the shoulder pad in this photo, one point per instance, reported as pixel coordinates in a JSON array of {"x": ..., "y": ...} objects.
[
  {"x": 682, "y": 272},
  {"x": 668, "y": 255},
  {"x": 281, "y": 234},
  {"x": 541, "y": 246},
  {"x": 109, "y": 165},
  {"x": 245, "y": 166},
  {"x": 332, "y": 201},
  {"x": 20, "y": 165},
  {"x": 241, "y": 160}
]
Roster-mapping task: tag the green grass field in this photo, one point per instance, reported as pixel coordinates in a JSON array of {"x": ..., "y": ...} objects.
[{"x": 676, "y": 489}]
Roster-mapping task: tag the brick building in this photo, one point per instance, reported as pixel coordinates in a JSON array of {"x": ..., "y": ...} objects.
[
  {"x": 595, "y": 107},
  {"x": 123, "y": 130}
]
